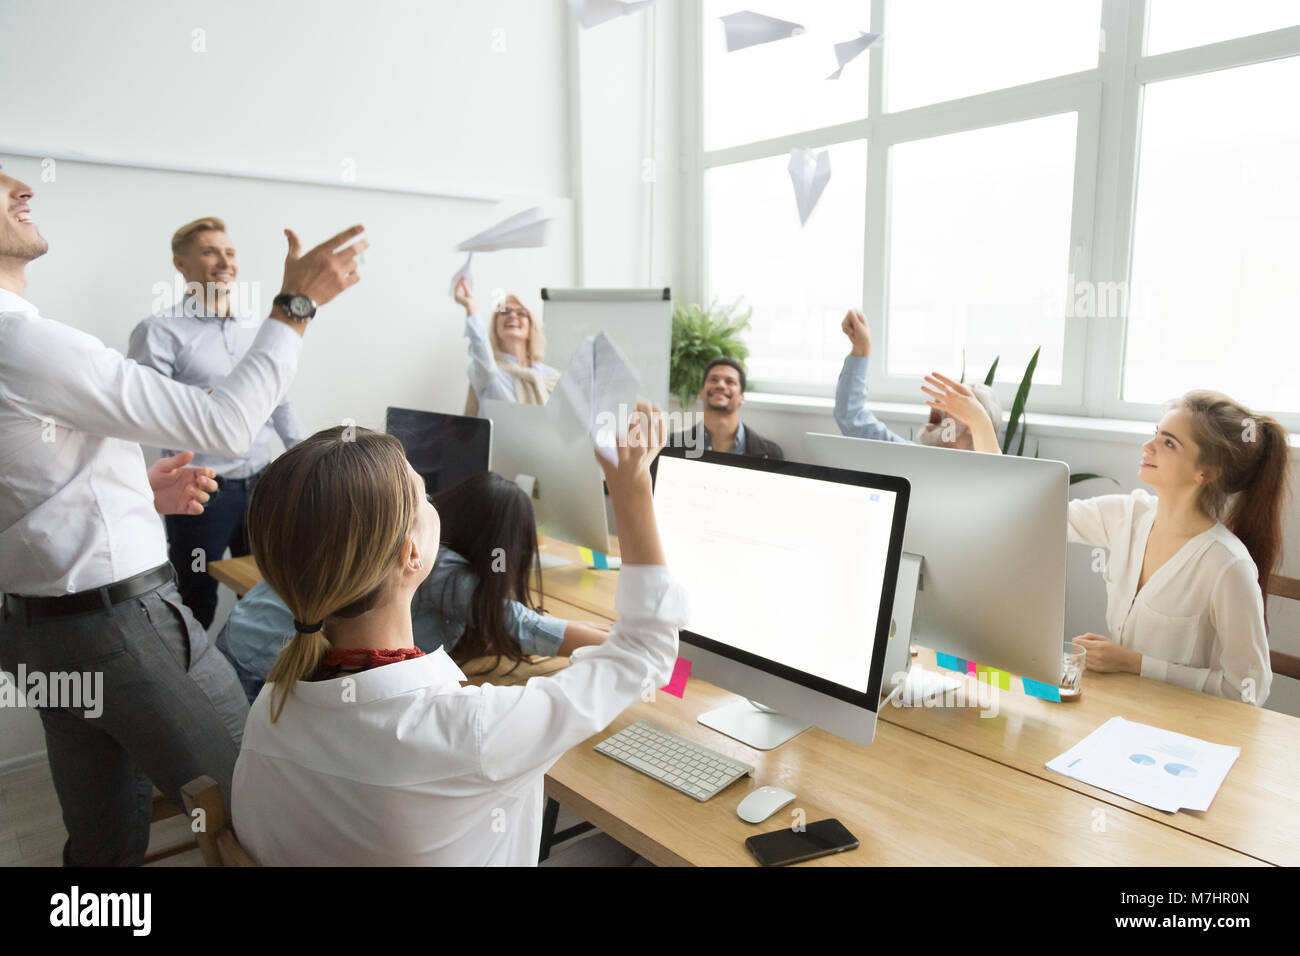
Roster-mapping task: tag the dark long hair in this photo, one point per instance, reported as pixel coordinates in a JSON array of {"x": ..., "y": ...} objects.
[{"x": 488, "y": 520}]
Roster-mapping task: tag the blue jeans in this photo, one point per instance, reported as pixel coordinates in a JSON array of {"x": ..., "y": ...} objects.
[{"x": 220, "y": 526}]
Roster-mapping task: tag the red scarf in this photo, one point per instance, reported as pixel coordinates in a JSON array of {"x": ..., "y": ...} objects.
[{"x": 364, "y": 658}]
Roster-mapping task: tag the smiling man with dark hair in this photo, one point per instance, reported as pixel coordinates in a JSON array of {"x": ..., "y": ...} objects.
[{"x": 722, "y": 394}]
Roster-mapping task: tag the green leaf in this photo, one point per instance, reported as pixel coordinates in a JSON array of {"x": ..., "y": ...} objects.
[
  {"x": 1087, "y": 476},
  {"x": 988, "y": 379},
  {"x": 962, "y": 380},
  {"x": 1018, "y": 405}
]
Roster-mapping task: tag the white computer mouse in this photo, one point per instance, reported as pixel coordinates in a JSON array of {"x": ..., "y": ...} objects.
[{"x": 762, "y": 803}]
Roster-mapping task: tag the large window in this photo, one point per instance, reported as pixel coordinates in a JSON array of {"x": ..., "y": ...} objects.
[{"x": 1109, "y": 181}]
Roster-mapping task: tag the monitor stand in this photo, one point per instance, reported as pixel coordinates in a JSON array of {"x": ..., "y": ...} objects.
[
  {"x": 753, "y": 724},
  {"x": 910, "y": 684}
]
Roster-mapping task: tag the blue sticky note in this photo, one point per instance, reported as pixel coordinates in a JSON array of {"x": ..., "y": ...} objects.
[
  {"x": 1042, "y": 691},
  {"x": 948, "y": 662},
  {"x": 598, "y": 559}
]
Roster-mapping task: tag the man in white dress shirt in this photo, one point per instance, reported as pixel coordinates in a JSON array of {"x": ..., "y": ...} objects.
[
  {"x": 198, "y": 341},
  {"x": 88, "y": 592}
]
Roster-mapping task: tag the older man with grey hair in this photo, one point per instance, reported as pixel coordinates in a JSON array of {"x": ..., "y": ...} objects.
[{"x": 961, "y": 416}]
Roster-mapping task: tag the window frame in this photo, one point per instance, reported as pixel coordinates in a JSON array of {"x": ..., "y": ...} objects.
[{"x": 1108, "y": 102}]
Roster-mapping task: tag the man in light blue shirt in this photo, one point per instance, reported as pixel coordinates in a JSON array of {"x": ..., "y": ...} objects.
[
  {"x": 198, "y": 341},
  {"x": 260, "y": 624}
]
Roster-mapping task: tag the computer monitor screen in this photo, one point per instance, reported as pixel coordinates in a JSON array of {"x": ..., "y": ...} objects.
[
  {"x": 443, "y": 449},
  {"x": 790, "y": 567}
]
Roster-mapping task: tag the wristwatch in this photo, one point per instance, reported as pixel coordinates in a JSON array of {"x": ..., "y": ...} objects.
[{"x": 298, "y": 307}]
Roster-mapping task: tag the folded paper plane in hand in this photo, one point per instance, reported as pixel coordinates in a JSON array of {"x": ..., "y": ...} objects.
[
  {"x": 592, "y": 13},
  {"x": 463, "y": 273},
  {"x": 850, "y": 50},
  {"x": 810, "y": 172},
  {"x": 596, "y": 395},
  {"x": 524, "y": 230},
  {"x": 747, "y": 28}
]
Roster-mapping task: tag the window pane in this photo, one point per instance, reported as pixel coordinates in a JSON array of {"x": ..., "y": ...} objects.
[
  {"x": 1178, "y": 24},
  {"x": 781, "y": 87},
  {"x": 1216, "y": 239},
  {"x": 938, "y": 50},
  {"x": 979, "y": 250},
  {"x": 800, "y": 280}
]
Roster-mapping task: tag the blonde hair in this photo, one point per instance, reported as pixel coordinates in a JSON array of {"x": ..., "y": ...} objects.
[
  {"x": 1248, "y": 460},
  {"x": 186, "y": 233},
  {"x": 536, "y": 337},
  {"x": 326, "y": 523}
]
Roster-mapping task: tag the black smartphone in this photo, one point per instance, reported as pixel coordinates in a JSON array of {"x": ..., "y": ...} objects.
[{"x": 794, "y": 846}]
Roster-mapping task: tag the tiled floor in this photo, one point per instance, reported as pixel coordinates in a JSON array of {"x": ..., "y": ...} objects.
[{"x": 31, "y": 827}]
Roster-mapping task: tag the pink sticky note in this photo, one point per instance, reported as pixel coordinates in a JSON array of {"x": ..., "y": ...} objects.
[
  {"x": 972, "y": 669},
  {"x": 677, "y": 683}
]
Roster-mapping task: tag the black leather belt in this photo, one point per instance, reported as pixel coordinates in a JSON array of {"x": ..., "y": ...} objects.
[{"x": 92, "y": 600}]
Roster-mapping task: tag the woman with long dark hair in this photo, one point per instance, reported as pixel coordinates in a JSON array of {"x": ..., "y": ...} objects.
[
  {"x": 474, "y": 603},
  {"x": 1187, "y": 571}
]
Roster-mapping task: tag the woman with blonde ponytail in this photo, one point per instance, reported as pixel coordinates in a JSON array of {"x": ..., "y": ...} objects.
[
  {"x": 1187, "y": 570},
  {"x": 363, "y": 750}
]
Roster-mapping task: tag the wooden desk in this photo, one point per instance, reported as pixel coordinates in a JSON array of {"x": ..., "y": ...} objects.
[
  {"x": 908, "y": 798},
  {"x": 1256, "y": 811}
]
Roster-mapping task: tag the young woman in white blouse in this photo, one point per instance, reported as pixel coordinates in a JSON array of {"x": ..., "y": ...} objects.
[
  {"x": 1186, "y": 570},
  {"x": 505, "y": 358},
  {"x": 362, "y": 750}
]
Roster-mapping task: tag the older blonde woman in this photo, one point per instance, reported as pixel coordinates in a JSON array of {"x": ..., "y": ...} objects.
[{"x": 505, "y": 357}]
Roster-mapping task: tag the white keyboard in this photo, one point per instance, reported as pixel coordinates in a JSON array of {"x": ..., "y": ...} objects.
[{"x": 682, "y": 764}]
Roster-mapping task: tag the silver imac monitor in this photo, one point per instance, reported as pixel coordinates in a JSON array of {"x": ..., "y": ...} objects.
[
  {"x": 990, "y": 534},
  {"x": 791, "y": 570},
  {"x": 562, "y": 476}
]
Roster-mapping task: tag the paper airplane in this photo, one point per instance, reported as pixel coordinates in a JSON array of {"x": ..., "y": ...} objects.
[
  {"x": 596, "y": 395},
  {"x": 463, "y": 273},
  {"x": 522, "y": 230},
  {"x": 849, "y": 50},
  {"x": 592, "y": 13},
  {"x": 747, "y": 28},
  {"x": 810, "y": 172}
]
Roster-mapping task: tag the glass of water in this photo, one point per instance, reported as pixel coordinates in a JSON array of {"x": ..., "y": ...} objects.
[{"x": 1072, "y": 674}]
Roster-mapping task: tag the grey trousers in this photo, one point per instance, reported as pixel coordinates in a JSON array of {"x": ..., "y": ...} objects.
[{"x": 172, "y": 710}]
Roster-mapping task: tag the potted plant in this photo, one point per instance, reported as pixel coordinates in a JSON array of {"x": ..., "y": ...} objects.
[{"x": 699, "y": 337}]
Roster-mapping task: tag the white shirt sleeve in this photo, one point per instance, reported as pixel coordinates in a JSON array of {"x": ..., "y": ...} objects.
[
  {"x": 1245, "y": 672},
  {"x": 523, "y": 730},
  {"x": 82, "y": 384},
  {"x": 1098, "y": 521}
]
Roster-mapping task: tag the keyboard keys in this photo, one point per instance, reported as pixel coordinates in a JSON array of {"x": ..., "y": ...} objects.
[{"x": 683, "y": 764}]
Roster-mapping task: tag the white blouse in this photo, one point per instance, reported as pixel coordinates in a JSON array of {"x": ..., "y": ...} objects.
[
  {"x": 1199, "y": 621},
  {"x": 402, "y": 765}
]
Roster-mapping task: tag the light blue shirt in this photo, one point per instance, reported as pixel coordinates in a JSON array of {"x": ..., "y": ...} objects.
[
  {"x": 489, "y": 379},
  {"x": 737, "y": 444},
  {"x": 851, "y": 412},
  {"x": 197, "y": 347},
  {"x": 260, "y": 624}
]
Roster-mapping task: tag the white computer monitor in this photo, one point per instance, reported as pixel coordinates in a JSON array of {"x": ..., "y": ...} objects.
[
  {"x": 990, "y": 531},
  {"x": 562, "y": 475},
  {"x": 791, "y": 571}
]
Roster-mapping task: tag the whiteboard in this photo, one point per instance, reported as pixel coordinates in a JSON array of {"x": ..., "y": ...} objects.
[
  {"x": 639, "y": 321},
  {"x": 396, "y": 338}
]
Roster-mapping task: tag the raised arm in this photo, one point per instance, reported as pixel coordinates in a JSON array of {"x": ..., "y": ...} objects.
[
  {"x": 526, "y": 729},
  {"x": 82, "y": 384},
  {"x": 851, "y": 412}
]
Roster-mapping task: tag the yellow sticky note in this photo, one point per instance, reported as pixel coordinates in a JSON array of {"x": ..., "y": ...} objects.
[{"x": 995, "y": 676}]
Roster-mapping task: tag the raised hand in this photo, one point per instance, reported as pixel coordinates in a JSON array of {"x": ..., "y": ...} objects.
[
  {"x": 855, "y": 327},
  {"x": 326, "y": 270},
  {"x": 958, "y": 402},
  {"x": 629, "y": 486},
  {"x": 178, "y": 488},
  {"x": 463, "y": 296}
]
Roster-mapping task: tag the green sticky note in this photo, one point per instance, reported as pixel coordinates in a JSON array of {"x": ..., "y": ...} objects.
[{"x": 995, "y": 676}]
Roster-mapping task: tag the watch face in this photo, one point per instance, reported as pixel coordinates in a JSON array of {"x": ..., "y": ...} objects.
[{"x": 300, "y": 307}]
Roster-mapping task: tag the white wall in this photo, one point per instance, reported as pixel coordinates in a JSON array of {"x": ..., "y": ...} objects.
[
  {"x": 630, "y": 220},
  {"x": 450, "y": 97}
]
